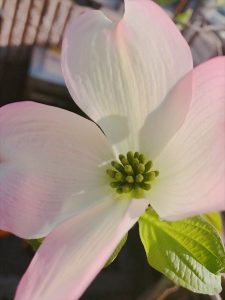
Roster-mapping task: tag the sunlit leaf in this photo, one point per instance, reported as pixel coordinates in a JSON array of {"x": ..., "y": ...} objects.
[{"x": 189, "y": 252}]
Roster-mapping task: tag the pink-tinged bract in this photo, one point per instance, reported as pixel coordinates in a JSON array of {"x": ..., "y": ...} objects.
[{"x": 134, "y": 78}]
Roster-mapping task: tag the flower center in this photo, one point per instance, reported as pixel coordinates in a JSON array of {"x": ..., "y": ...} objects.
[{"x": 132, "y": 173}]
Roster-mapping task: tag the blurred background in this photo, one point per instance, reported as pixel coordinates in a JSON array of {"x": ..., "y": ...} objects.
[{"x": 31, "y": 33}]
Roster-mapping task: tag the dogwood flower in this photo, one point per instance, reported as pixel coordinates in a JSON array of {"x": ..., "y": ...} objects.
[{"x": 161, "y": 143}]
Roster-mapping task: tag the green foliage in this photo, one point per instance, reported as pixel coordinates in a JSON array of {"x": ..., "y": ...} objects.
[
  {"x": 183, "y": 18},
  {"x": 35, "y": 244},
  {"x": 165, "y": 2},
  {"x": 116, "y": 251},
  {"x": 189, "y": 252},
  {"x": 215, "y": 219}
]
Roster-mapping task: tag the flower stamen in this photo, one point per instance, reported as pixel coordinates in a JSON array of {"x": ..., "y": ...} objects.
[{"x": 132, "y": 173}]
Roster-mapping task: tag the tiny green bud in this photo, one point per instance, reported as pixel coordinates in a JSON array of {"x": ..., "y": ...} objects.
[
  {"x": 121, "y": 156},
  {"x": 145, "y": 186},
  {"x": 149, "y": 176},
  {"x": 148, "y": 166},
  {"x": 130, "y": 179},
  {"x": 141, "y": 168},
  {"x": 118, "y": 176},
  {"x": 126, "y": 188},
  {"x": 123, "y": 160},
  {"x": 156, "y": 173},
  {"x": 152, "y": 175},
  {"x": 136, "y": 155},
  {"x": 117, "y": 166},
  {"x": 141, "y": 158},
  {"x": 136, "y": 161},
  {"x": 139, "y": 178},
  {"x": 115, "y": 184},
  {"x": 129, "y": 170},
  {"x": 111, "y": 173},
  {"x": 130, "y": 157}
]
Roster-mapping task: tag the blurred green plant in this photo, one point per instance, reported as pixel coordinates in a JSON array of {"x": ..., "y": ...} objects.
[
  {"x": 182, "y": 19},
  {"x": 166, "y": 2}
]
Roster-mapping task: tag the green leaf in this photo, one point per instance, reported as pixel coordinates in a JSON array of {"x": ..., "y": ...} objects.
[
  {"x": 35, "y": 244},
  {"x": 116, "y": 251},
  {"x": 166, "y": 2},
  {"x": 183, "y": 18},
  {"x": 189, "y": 252},
  {"x": 215, "y": 219}
]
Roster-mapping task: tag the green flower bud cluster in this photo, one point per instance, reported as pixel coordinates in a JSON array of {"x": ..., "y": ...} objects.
[{"x": 133, "y": 172}]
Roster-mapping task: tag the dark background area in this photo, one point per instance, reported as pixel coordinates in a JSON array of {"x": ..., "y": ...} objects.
[{"x": 29, "y": 51}]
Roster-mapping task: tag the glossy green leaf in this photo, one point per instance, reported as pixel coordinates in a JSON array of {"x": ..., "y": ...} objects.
[
  {"x": 189, "y": 252},
  {"x": 215, "y": 219},
  {"x": 116, "y": 251}
]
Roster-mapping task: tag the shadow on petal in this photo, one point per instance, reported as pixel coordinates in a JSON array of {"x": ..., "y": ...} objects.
[
  {"x": 115, "y": 127},
  {"x": 163, "y": 123}
]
